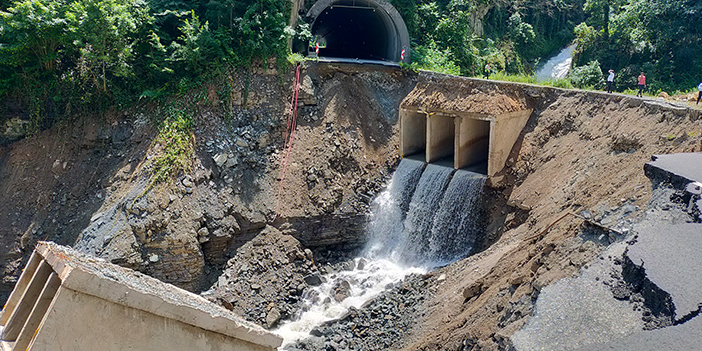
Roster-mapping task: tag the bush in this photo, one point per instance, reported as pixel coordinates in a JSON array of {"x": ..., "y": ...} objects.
[
  {"x": 174, "y": 146},
  {"x": 433, "y": 59},
  {"x": 588, "y": 76}
]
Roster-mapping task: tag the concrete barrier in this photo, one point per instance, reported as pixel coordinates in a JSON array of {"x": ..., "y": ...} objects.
[
  {"x": 446, "y": 115},
  {"x": 65, "y": 300}
]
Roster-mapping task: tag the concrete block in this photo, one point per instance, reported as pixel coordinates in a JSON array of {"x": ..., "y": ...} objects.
[{"x": 75, "y": 302}]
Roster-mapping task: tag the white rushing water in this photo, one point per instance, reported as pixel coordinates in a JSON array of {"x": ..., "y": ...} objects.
[
  {"x": 321, "y": 303},
  {"x": 557, "y": 66},
  {"x": 425, "y": 218}
]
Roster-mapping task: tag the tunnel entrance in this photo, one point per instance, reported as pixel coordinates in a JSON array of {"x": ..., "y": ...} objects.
[{"x": 359, "y": 30}]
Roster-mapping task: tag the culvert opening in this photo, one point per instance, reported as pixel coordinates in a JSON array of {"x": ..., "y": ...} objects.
[
  {"x": 445, "y": 139},
  {"x": 358, "y": 30}
]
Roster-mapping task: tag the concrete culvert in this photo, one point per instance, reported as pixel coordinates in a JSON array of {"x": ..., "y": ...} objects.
[{"x": 360, "y": 29}]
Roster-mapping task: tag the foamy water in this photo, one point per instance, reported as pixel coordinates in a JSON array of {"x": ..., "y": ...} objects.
[
  {"x": 407, "y": 229},
  {"x": 365, "y": 284},
  {"x": 557, "y": 67}
]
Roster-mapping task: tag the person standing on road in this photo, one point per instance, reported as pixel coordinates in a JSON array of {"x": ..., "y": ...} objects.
[
  {"x": 699, "y": 95},
  {"x": 488, "y": 70},
  {"x": 610, "y": 81},
  {"x": 642, "y": 84}
]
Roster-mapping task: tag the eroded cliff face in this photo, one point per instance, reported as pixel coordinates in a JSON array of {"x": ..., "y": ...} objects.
[
  {"x": 91, "y": 187},
  {"x": 576, "y": 171},
  {"x": 229, "y": 227}
]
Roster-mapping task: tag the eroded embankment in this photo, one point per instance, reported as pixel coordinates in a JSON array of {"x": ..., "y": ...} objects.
[
  {"x": 91, "y": 187},
  {"x": 579, "y": 152}
]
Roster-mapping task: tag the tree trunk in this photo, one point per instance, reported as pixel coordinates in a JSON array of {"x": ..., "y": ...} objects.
[{"x": 605, "y": 20}]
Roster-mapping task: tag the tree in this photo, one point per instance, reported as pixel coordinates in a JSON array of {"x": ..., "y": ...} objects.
[
  {"x": 93, "y": 37},
  {"x": 605, "y": 9},
  {"x": 104, "y": 33},
  {"x": 32, "y": 33}
]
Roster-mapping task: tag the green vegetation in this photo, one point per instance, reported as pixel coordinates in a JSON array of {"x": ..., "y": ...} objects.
[
  {"x": 63, "y": 55},
  {"x": 469, "y": 34},
  {"x": 587, "y": 77},
  {"x": 661, "y": 38},
  {"x": 174, "y": 146},
  {"x": 564, "y": 83}
]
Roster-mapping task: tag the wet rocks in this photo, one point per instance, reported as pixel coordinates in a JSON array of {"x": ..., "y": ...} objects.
[
  {"x": 378, "y": 325},
  {"x": 313, "y": 279},
  {"x": 265, "y": 279},
  {"x": 342, "y": 290}
]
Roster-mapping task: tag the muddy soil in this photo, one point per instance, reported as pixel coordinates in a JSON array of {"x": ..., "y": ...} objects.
[
  {"x": 86, "y": 182},
  {"x": 582, "y": 154}
]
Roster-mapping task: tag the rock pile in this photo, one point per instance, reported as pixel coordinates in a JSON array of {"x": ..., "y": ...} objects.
[
  {"x": 264, "y": 281},
  {"x": 378, "y": 325}
]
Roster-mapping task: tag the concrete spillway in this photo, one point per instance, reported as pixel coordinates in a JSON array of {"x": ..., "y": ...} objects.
[
  {"x": 469, "y": 138},
  {"x": 444, "y": 117}
]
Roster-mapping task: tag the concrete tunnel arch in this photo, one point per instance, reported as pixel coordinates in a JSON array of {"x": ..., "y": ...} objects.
[{"x": 360, "y": 29}]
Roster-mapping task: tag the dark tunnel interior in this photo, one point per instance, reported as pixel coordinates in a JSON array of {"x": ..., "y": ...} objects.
[{"x": 356, "y": 32}]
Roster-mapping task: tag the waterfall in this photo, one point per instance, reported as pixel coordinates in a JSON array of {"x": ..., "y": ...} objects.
[
  {"x": 557, "y": 66},
  {"x": 428, "y": 221},
  {"x": 459, "y": 219},
  {"x": 389, "y": 208},
  {"x": 426, "y": 217},
  {"x": 412, "y": 247}
]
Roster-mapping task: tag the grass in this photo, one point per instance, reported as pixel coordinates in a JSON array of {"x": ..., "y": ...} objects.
[
  {"x": 174, "y": 146},
  {"x": 516, "y": 78},
  {"x": 645, "y": 92},
  {"x": 523, "y": 78}
]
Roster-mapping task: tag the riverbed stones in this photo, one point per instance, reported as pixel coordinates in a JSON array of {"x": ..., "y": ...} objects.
[
  {"x": 220, "y": 159},
  {"x": 265, "y": 274},
  {"x": 378, "y": 325},
  {"x": 313, "y": 279}
]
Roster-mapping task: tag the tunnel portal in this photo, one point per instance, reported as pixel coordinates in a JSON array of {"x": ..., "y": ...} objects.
[{"x": 359, "y": 30}]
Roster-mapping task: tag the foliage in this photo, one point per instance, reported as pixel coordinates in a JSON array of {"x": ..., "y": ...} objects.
[
  {"x": 434, "y": 59},
  {"x": 517, "y": 78},
  {"x": 63, "y": 54},
  {"x": 588, "y": 76},
  {"x": 174, "y": 146},
  {"x": 509, "y": 36},
  {"x": 659, "y": 37},
  {"x": 563, "y": 83},
  {"x": 295, "y": 58},
  {"x": 521, "y": 33},
  {"x": 66, "y": 54}
]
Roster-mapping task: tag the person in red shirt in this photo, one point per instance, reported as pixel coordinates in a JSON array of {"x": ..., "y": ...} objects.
[{"x": 642, "y": 84}]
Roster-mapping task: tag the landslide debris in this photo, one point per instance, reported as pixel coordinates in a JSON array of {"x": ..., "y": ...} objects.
[
  {"x": 87, "y": 183},
  {"x": 380, "y": 324},
  {"x": 581, "y": 153},
  {"x": 265, "y": 279}
]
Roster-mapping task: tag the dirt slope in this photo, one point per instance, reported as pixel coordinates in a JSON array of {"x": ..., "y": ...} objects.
[
  {"x": 579, "y": 152},
  {"x": 85, "y": 183},
  {"x": 80, "y": 183}
]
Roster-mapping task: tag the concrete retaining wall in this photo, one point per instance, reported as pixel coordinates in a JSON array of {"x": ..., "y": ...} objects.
[{"x": 67, "y": 301}]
